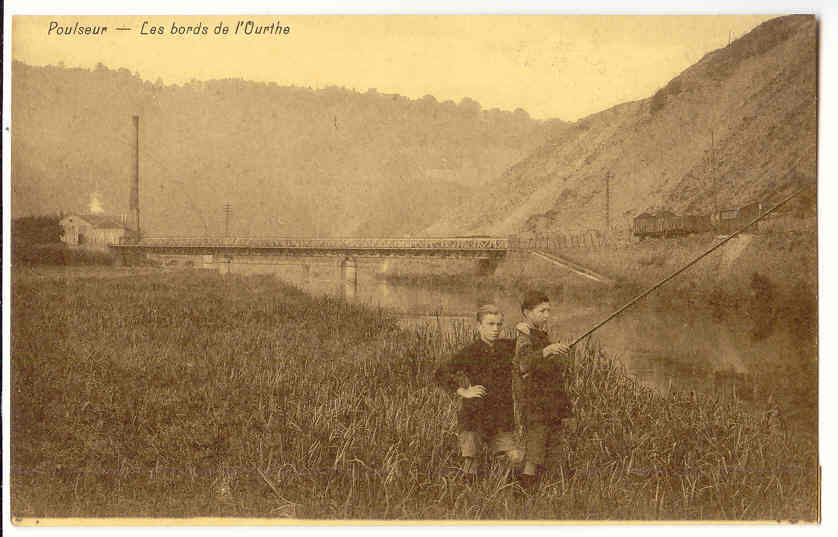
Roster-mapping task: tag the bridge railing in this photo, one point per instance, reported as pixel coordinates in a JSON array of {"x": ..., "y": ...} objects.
[{"x": 349, "y": 243}]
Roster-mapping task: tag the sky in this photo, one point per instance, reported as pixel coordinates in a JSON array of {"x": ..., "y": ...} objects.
[{"x": 552, "y": 66}]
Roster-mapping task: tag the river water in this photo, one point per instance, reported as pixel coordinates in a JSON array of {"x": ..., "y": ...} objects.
[{"x": 664, "y": 344}]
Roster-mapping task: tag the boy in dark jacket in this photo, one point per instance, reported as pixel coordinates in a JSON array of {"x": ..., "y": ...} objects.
[
  {"x": 543, "y": 367},
  {"x": 487, "y": 412}
]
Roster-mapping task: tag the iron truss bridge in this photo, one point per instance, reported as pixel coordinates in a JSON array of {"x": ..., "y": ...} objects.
[{"x": 462, "y": 247}]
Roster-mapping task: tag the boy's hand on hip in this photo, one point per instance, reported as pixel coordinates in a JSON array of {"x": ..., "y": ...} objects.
[{"x": 471, "y": 392}]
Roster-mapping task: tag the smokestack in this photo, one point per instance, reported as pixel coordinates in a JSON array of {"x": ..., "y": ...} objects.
[{"x": 134, "y": 200}]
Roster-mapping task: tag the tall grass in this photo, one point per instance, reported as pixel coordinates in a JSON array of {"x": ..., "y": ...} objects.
[{"x": 192, "y": 394}]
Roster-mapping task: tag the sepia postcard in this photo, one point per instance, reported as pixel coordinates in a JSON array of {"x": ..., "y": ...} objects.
[{"x": 413, "y": 269}]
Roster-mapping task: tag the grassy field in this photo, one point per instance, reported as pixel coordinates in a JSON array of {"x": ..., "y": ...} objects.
[{"x": 192, "y": 394}]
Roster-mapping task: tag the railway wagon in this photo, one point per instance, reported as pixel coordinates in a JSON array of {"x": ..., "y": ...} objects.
[
  {"x": 645, "y": 225},
  {"x": 732, "y": 219},
  {"x": 668, "y": 224},
  {"x": 697, "y": 223}
]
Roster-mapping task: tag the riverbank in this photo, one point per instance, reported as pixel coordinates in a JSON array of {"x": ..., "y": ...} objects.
[
  {"x": 780, "y": 266},
  {"x": 192, "y": 394},
  {"x": 749, "y": 271}
]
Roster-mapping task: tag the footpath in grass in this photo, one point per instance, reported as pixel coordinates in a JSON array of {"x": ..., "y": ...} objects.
[{"x": 192, "y": 394}]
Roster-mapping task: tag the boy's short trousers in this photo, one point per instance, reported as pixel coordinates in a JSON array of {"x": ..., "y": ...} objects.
[
  {"x": 541, "y": 437},
  {"x": 471, "y": 441}
]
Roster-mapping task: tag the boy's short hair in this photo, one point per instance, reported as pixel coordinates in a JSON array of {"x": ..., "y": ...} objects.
[
  {"x": 487, "y": 309},
  {"x": 532, "y": 299}
]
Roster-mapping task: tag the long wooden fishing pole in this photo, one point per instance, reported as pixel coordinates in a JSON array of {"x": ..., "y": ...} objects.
[{"x": 680, "y": 270}]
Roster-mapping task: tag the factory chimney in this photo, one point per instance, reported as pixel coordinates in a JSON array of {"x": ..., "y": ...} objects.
[{"x": 134, "y": 199}]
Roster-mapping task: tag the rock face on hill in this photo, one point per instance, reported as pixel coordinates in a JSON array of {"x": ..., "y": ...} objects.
[
  {"x": 289, "y": 160},
  {"x": 738, "y": 126}
]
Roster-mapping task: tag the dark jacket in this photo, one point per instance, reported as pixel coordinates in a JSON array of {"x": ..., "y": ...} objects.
[
  {"x": 544, "y": 397},
  {"x": 490, "y": 367}
]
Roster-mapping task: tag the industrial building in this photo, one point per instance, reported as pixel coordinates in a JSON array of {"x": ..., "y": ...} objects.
[{"x": 92, "y": 231}]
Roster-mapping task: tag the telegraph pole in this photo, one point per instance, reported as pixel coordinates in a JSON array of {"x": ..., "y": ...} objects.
[
  {"x": 713, "y": 172},
  {"x": 228, "y": 209},
  {"x": 608, "y": 200}
]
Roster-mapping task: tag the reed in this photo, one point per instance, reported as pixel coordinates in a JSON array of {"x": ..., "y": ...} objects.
[{"x": 192, "y": 394}]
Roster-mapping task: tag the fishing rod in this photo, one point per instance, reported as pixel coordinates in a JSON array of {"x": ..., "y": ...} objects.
[{"x": 680, "y": 270}]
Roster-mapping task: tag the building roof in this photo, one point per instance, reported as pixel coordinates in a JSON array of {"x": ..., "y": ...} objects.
[{"x": 100, "y": 221}]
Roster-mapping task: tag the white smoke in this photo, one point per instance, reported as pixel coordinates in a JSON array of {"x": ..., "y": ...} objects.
[{"x": 95, "y": 206}]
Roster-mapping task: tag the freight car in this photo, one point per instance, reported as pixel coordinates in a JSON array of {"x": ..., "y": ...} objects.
[
  {"x": 730, "y": 220},
  {"x": 668, "y": 224}
]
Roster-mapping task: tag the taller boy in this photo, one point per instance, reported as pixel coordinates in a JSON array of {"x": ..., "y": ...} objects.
[
  {"x": 486, "y": 413},
  {"x": 542, "y": 367}
]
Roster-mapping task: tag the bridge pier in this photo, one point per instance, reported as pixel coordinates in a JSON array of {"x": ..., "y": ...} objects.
[
  {"x": 348, "y": 278},
  {"x": 486, "y": 266},
  {"x": 225, "y": 264}
]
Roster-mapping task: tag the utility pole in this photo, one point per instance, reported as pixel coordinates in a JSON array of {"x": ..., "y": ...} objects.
[
  {"x": 713, "y": 172},
  {"x": 228, "y": 209},
  {"x": 608, "y": 200}
]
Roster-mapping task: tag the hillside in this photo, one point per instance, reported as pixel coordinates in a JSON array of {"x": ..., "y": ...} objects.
[
  {"x": 744, "y": 117},
  {"x": 290, "y": 160}
]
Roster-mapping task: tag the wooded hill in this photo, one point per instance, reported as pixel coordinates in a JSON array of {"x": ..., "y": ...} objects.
[{"x": 290, "y": 160}]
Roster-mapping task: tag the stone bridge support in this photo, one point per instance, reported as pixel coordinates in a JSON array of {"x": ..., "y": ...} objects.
[
  {"x": 225, "y": 263},
  {"x": 348, "y": 277},
  {"x": 486, "y": 266}
]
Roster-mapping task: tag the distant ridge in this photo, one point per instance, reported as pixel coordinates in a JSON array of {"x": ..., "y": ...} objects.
[{"x": 289, "y": 160}]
